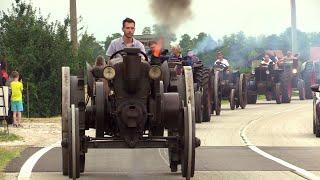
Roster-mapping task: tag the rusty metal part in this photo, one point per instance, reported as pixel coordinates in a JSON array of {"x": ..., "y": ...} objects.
[
  {"x": 100, "y": 100},
  {"x": 171, "y": 108},
  {"x": 65, "y": 104}
]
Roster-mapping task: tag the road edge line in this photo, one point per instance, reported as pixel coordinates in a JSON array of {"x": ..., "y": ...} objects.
[
  {"x": 163, "y": 158},
  {"x": 295, "y": 169},
  {"x": 26, "y": 169}
]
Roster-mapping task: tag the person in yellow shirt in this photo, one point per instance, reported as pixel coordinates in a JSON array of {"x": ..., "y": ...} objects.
[{"x": 16, "y": 99}]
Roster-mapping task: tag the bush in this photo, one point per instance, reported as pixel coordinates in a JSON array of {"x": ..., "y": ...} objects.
[{"x": 37, "y": 49}]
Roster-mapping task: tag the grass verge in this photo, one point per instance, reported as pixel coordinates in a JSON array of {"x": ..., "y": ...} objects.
[
  {"x": 6, "y": 155},
  {"x": 4, "y": 137},
  {"x": 261, "y": 97}
]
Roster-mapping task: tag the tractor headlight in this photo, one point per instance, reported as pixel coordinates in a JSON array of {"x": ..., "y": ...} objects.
[
  {"x": 294, "y": 71},
  {"x": 267, "y": 72},
  {"x": 253, "y": 72},
  {"x": 109, "y": 72},
  {"x": 155, "y": 72}
]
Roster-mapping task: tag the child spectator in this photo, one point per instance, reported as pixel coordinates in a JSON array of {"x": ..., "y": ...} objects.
[{"x": 16, "y": 99}]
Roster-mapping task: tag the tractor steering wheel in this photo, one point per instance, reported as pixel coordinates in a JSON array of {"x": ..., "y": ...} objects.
[{"x": 122, "y": 52}]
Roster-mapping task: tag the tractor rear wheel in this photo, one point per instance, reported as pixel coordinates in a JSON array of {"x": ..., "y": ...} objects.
[
  {"x": 278, "y": 93},
  {"x": 302, "y": 91},
  {"x": 286, "y": 89},
  {"x": 232, "y": 99}
]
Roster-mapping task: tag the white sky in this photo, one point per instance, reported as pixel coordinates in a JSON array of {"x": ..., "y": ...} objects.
[{"x": 216, "y": 17}]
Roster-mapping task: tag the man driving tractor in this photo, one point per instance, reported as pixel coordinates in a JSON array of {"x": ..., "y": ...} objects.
[
  {"x": 221, "y": 60},
  {"x": 176, "y": 52},
  {"x": 127, "y": 40},
  {"x": 288, "y": 57},
  {"x": 266, "y": 60}
]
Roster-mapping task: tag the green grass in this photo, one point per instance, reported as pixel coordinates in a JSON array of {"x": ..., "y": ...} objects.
[
  {"x": 295, "y": 93},
  {"x": 261, "y": 97},
  {"x": 6, "y": 155},
  {"x": 224, "y": 101},
  {"x": 4, "y": 137}
]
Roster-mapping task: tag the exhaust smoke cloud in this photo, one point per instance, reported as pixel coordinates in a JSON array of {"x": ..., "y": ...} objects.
[{"x": 171, "y": 13}]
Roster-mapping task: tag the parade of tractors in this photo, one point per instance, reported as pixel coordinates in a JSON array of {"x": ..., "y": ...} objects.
[
  {"x": 140, "y": 100},
  {"x": 159, "y": 90}
]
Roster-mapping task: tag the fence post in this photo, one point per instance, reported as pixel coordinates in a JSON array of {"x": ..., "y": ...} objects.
[{"x": 28, "y": 104}]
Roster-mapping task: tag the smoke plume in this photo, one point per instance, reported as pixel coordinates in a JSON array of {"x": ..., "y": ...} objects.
[
  {"x": 205, "y": 45},
  {"x": 171, "y": 13}
]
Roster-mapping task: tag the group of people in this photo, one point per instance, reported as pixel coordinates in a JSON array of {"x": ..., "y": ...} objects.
[
  {"x": 127, "y": 40},
  {"x": 271, "y": 57},
  {"x": 16, "y": 86}
]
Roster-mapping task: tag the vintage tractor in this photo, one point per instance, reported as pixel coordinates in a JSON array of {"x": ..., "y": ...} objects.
[
  {"x": 264, "y": 79},
  {"x": 128, "y": 107},
  {"x": 310, "y": 72},
  {"x": 229, "y": 85},
  {"x": 291, "y": 79},
  {"x": 201, "y": 76},
  {"x": 202, "y": 86}
]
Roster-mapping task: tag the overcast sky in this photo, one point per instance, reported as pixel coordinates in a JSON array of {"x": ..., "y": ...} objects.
[{"x": 216, "y": 17}]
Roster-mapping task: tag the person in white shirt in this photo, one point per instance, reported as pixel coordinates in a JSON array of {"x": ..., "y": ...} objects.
[
  {"x": 266, "y": 60},
  {"x": 221, "y": 60}
]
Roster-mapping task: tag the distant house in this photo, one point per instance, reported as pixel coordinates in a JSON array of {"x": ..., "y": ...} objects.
[{"x": 146, "y": 38}]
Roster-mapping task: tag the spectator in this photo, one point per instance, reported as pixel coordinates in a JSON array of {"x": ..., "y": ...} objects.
[
  {"x": 16, "y": 99},
  {"x": 3, "y": 73}
]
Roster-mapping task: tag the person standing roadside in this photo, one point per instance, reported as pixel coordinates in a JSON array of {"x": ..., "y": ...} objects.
[{"x": 16, "y": 99}]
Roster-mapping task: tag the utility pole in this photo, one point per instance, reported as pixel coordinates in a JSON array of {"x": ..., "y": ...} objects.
[
  {"x": 73, "y": 26},
  {"x": 293, "y": 27}
]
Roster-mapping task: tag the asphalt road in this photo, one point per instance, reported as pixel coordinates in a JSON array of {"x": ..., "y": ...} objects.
[{"x": 284, "y": 131}]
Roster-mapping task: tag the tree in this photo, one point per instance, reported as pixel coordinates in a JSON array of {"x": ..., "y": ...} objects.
[
  {"x": 314, "y": 39},
  {"x": 89, "y": 49},
  {"x": 146, "y": 31},
  {"x": 186, "y": 43},
  {"x": 204, "y": 43},
  {"x": 109, "y": 39},
  {"x": 37, "y": 49}
]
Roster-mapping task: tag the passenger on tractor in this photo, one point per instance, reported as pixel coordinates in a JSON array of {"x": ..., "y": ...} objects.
[
  {"x": 101, "y": 63},
  {"x": 127, "y": 40}
]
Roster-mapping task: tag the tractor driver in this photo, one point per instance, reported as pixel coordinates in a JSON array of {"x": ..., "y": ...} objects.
[
  {"x": 288, "y": 57},
  {"x": 127, "y": 40},
  {"x": 176, "y": 52},
  {"x": 266, "y": 60},
  {"x": 221, "y": 60}
]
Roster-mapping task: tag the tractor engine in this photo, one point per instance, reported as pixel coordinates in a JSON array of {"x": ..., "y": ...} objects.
[{"x": 131, "y": 87}]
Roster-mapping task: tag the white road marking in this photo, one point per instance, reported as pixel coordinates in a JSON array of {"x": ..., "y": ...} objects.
[
  {"x": 26, "y": 169},
  {"x": 299, "y": 171},
  {"x": 164, "y": 159}
]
